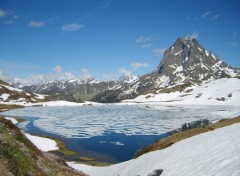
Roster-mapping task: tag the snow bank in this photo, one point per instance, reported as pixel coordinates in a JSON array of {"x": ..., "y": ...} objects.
[
  {"x": 65, "y": 103},
  {"x": 41, "y": 143},
  {"x": 14, "y": 121},
  {"x": 212, "y": 153}
]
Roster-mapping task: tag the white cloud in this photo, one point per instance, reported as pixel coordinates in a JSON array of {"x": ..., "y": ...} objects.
[
  {"x": 3, "y": 13},
  {"x": 204, "y": 15},
  {"x": 37, "y": 24},
  {"x": 159, "y": 51},
  {"x": 144, "y": 42},
  {"x": 85, "y": 74},
  {"x": 124, "y": 71},
  {"x": 57, "y": 74},
  {"x": 194, "y": 35},
  {"x": 137, "y": 64},
  {"x": 72, "y": 27},
  {"x": 3, "y": 77}
]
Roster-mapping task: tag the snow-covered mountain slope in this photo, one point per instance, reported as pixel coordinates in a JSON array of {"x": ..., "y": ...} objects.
[
  {"x": 225, "y": 91},
  {"x": 77, "y": 90},
  {"x": 212, "y": 153},
  {"x": 11, "y": 95}
]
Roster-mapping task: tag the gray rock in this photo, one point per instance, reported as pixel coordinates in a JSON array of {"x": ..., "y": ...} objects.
[{"x": 156, "y": 172}]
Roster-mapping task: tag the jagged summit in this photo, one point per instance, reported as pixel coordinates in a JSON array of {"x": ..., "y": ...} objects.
[{"x": 186, "y": 60}]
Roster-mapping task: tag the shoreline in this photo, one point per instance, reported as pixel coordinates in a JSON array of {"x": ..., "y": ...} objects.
[
  {"x": 57, "y": 147},
  {"x": 63, "y": 152}
]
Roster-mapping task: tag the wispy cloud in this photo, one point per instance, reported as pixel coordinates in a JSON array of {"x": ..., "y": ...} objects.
[
  {"x": 9, "y": 22},
  {"x": 85, "y": 74},
  {"x": 57, "y": 74},
  {"x": 97, "y": 10},
  {"x": 138, "y": 64},
  {"x": 159, "y": 51},
  {"x": 36, "y": 24},
  {"x": 209, "y": 16},
  {"x": 235, "y": 40},
  {"x": 145, "y": 42},
  {"x": 124, "y": 71},
  {"x": 72, "y": 27},
  {"x": 205, "y": 14},
  {"x": 215, "y": 17},
  {"x": 4, "y": 77},
  {"x": 10, "y": 16},
  {"x": 3, "y": 13},
  {"x": 194, "y": 35}
]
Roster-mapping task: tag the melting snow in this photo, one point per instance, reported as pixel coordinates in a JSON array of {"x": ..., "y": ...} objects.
[
  {"x": 4, "y": 96},
  {"x": 90, "y": 121},
  {"x": 178, "y": 53},
  {"x": 212, "y": 93},
  {"x": 41, "y": 143},
  {"x": 199, "y": 48},
  {"x": 14, "y": 121},
  {"x": 212, "y": 153},
  {"x": 178, "y": 69},
  {"x": 214, "y": 57},
  {"x": 12, "y": 88},
  {"x": 207, "y": 53}
]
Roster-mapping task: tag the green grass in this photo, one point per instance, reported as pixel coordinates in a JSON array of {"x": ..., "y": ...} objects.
[
  {"x": 87, "y": 159},
  {"x": 65, "y": 152}
]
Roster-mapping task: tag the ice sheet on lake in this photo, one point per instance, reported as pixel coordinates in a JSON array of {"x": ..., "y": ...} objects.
[{"x": 90, "y": 121}]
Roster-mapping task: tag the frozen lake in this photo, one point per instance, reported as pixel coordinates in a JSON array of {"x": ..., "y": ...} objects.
[{"x": 112, "y": 133}]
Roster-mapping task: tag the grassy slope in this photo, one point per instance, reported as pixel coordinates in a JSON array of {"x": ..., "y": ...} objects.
[
  {"x": 166, "y": 142},
  {"x": 18, "y": 156}
]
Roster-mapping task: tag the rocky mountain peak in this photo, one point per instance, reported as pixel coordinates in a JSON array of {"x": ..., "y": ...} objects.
[
  {"x": 186, "y": 60},
  {"x": 127, "y": 78}
]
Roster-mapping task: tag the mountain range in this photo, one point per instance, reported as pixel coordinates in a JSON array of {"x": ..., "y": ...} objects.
[{"x": 185, "y": 63}]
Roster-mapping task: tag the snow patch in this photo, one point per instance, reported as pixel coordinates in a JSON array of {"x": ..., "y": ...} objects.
[
  {"x": 214, "y": 57},
  {"x": 14, "y": 121},
  {"x": 178, "y": 53},
  {"x": 4, "y": 96},
  {"x": 12, "y": 88},
  {"x": 178, "y": 69},
  {"x": 41, "y": 143}
]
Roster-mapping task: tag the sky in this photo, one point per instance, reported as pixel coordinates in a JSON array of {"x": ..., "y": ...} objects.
[{"x": 45, "y": 40}]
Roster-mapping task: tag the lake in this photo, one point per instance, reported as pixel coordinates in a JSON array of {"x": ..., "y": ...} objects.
[{"x": 111, "y": 133}]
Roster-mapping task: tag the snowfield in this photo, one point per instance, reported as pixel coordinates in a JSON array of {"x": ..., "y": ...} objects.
[
  {"x": 225, "y": 91},
  {"x": 212, "y": 153},
  {"x": 42, "y": 143}
]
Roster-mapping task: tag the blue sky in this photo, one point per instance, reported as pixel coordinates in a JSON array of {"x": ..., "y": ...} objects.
[{"x": 65, "y": 39}]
